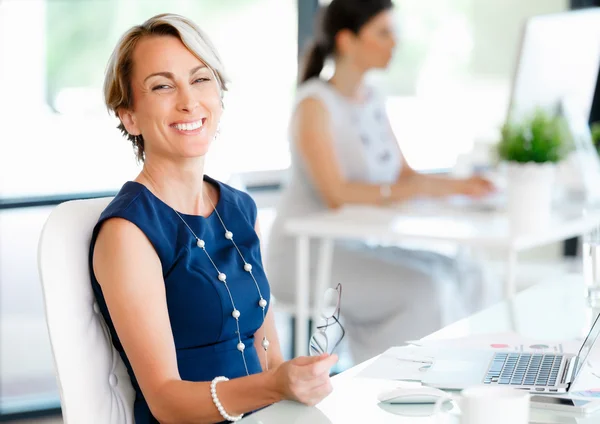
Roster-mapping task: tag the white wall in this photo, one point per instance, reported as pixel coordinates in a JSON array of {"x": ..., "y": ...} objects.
[{"x": 497, "y": 27}]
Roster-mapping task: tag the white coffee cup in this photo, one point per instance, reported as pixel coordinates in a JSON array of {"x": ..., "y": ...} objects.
[{"x": 490, "y": 405}]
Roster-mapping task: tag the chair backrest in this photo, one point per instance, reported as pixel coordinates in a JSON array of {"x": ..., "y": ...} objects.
[{"x": 93, "y": 381}]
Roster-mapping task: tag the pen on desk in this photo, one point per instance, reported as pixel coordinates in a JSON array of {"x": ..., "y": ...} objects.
[{"x": 419, "y": 361}]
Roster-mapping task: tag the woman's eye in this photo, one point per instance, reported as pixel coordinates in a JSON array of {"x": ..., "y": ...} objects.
[
  {"x": 202, "y": 79},
  {"x": 160, "y": 87}
]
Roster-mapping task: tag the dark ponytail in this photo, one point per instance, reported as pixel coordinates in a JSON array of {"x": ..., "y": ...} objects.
[
  {"x": 339, "y": 15},
  {"x": 314, "y": 61}
]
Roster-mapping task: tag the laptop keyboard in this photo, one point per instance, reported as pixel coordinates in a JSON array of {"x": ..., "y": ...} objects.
[{"x": 524, "y": 369}]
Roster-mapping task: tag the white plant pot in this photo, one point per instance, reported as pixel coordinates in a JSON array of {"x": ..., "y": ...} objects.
[{"x": 529, "y": 195}]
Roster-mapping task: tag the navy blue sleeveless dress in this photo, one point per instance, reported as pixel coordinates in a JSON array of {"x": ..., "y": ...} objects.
[{"x": 198, "y": 304}]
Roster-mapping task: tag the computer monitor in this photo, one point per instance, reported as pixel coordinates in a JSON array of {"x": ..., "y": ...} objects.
[
  {"x": 558, "y": 61},
  {"x": 556, "y": 71}
]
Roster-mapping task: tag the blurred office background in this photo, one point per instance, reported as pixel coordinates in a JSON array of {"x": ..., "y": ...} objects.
[{"x": 448, "y": 87}]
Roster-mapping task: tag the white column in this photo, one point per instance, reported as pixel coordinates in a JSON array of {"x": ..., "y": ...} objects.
[
  {"x": 22, "y": 55},
  {"x": 22, "y": 73}
]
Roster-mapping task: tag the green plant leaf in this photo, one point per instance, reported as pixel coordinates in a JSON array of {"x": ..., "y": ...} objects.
[
  {"x": 540, "y": 138},
  {"x": 595, "y": 128}
]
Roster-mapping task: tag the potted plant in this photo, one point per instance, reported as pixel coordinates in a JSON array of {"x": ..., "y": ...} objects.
[
  {"x": 531, "y": 150},
  {"x": 595, "y": 128}
]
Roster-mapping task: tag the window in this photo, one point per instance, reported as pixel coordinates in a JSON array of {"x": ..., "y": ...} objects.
[
  {"x": 449, "y": 82},
  {"x": 59, "y": 137},
  {"x": 56, "y": 136}
]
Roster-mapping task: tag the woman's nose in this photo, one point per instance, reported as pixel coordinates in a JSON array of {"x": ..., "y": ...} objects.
[{"x": 187, "y": 102}]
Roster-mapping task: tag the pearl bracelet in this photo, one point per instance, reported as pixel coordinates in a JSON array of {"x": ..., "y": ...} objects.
[
  {"x": 385, "y": 190},
  {"x": 213, "y": 392}
]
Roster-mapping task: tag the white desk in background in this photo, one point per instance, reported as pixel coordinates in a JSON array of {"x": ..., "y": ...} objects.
[
  {"x": 547, "y": 311},
  {"x": 429, "y": 222}
]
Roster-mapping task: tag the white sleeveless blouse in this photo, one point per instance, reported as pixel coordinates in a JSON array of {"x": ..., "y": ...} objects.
[
  {"x": 364, "y": 143},
  {"x": 365, "y": 150}
]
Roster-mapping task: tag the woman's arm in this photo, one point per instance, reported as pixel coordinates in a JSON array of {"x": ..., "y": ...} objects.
[
  {"x": 268, "y": 330},
  {"x": 438, "y": 185},
  {"x": 441, "y": 186},
  {"x": 311, "y": 131},
  {"x": 130, "y": 274}
]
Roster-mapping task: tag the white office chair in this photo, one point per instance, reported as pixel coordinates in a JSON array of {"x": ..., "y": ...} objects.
[{"x": 92, "y": 379}]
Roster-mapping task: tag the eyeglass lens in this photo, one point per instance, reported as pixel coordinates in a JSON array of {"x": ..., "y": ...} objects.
[{"x": 329, "y": 311}]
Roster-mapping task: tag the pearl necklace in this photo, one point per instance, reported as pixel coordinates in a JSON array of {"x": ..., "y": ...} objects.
[{"x": 262, "y": 303}]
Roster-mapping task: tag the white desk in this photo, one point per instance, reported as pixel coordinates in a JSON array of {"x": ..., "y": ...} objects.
[
  {"x": 480, "y": 230},
  {"x": 354, "y": 398}
]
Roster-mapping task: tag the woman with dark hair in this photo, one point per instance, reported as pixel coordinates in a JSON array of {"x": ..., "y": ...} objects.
[{"x": 344, "y": 152}]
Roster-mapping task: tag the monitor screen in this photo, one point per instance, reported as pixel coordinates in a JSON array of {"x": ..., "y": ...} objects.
[
  {"x": 587, "y": 345},
  {"x": 558, "y": 61}
]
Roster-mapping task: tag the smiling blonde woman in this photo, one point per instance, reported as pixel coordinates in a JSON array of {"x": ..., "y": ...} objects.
[{"x": 175, "y": 258}]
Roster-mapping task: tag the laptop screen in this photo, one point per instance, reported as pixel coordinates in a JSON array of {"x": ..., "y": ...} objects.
[{"x": 587, "y": 345}]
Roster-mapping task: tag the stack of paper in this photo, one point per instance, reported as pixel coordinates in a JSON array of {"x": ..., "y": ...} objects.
[
  {"x": 512, "y": 342},
  {"x": 410, "y": 362}
]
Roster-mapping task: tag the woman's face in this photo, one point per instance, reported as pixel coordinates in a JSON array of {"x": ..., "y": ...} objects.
[
  {"x": 176, "y": 99},
  {"x": 374, "y": 45}
]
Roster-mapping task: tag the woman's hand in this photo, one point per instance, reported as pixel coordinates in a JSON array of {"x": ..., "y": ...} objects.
[
  {"x": 475, "y": 186},
  {"x": 305, "y": 379}
]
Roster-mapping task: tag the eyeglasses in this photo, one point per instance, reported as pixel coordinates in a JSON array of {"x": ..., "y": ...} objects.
[{"x": 328, "y": 336}]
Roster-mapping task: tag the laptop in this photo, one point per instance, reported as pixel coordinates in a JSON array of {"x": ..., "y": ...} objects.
[{"x": 536, "y": 372}]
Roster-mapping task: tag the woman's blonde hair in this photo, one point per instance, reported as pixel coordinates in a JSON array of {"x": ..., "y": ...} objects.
[{"x": 117, "y": 81}]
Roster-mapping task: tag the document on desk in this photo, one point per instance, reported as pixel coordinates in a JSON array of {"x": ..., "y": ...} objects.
[
  {"x": 508, "y": 341},
  {"x": 410, "y": 363}
]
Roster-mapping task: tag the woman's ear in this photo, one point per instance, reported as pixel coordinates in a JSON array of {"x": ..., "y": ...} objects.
[
  {"x": 127, "y": 117},
  {"x": 344, "y": 41}
]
